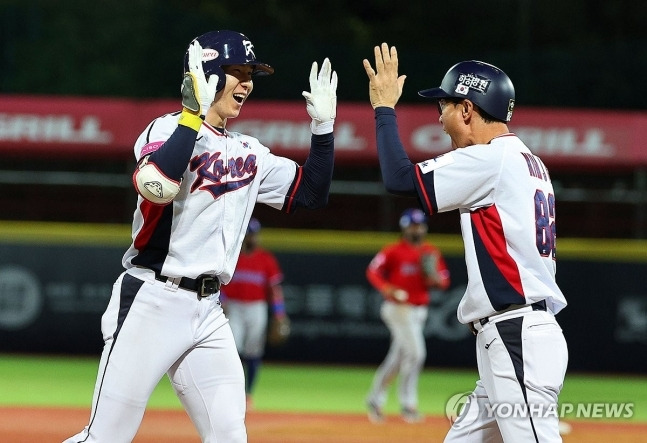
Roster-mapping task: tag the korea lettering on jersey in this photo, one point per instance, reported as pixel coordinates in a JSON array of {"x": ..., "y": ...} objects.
[
  {"x": 507, "y": 210},
  {"x": 227, "y": 174}
]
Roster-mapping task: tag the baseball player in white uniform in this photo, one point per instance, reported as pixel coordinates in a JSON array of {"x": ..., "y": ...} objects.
[
  {"x": 506, "y": 203},
  {"x": 198, "y": 184}
]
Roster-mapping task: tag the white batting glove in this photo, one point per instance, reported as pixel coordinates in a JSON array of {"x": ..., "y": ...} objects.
[
  {"x": 321, "y": 101},
  {"x": 197, "y": 92}
]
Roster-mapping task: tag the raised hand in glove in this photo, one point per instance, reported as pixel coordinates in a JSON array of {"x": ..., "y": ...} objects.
[
  {"x": 321, "y": 101},
  {"x": 198, "y": 92}
]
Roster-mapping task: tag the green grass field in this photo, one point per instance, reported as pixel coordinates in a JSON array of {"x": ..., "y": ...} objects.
[{"x": 29, "y": 380}]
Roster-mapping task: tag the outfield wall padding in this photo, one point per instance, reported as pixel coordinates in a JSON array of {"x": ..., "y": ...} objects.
[{"x": 52, "y": 295}]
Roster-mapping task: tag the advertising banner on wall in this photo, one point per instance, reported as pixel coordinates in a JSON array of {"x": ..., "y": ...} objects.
[
  {"x": 90, "y": 126},
  {"x": 52, "y": 298}
]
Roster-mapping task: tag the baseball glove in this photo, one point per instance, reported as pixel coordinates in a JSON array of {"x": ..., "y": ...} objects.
[{"x": 279, "y": 331}]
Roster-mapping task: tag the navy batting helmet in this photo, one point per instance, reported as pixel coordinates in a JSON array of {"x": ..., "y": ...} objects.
[
  {"x": 412, "y": 216},
  {"x": 485, "y": 85},
  {"x": 221, "y": 48},
  {"x": 254, "y": 226}
]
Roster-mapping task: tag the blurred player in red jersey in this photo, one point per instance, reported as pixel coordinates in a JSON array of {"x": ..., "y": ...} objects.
[
  {"x": 404, "y": 272},
  {"x": 254, "y": 288}
]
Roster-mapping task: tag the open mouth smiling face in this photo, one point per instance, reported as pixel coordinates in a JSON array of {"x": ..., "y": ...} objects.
[{"x": 240, "y": 97}]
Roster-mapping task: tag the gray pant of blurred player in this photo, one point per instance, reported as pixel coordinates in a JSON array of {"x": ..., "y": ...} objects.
[
  {"x": 522, "y": 361},
  {"x": 406, "y": 355},
  {"x": 248, "y": 323}
]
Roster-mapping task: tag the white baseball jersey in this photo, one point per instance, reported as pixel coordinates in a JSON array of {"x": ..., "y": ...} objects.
[
  {"x": 227, "y": 174},
  {"x": 507, "y": 209}
]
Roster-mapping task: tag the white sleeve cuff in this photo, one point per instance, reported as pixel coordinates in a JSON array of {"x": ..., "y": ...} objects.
[{"x": 319, "y": 128}]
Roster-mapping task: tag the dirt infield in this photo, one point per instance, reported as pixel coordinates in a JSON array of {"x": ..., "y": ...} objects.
[{"x": 43, "y": 425}]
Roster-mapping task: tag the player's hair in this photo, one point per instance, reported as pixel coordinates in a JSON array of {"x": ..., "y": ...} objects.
[{"x": 487, "y": 118}]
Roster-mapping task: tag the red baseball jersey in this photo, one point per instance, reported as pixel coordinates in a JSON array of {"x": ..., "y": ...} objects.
[
  {"x": 254, "y": 275},
  {"x": 399, "y": 265}
]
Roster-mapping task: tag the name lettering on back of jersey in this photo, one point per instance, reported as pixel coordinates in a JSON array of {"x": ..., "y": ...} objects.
[
  {"x": 536, "y": 167},
  {"x": 211, "y": 169},
  {"x": 436, "y": 162}
]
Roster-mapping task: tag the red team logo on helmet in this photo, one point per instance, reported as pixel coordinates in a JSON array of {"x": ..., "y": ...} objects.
[{"x": 209, "y": 54}]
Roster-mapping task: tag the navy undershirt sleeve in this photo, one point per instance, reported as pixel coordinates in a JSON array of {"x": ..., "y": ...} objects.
[
  {"x": 173, "y": 156},
  {"x": 397, "y": 170},
  {"x": 312, "y": 183}
]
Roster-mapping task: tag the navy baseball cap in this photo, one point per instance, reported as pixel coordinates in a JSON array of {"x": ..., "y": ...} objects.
[
  {"x": 412, "y": 216},
  {"x": 254, "y": 226}
]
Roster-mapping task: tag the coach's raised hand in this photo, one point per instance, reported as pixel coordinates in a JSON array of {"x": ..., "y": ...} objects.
[
  {"x": 321, "y": 101},
  {"x": 198, "y": 92},
  {"x": 385, "y": 86}
]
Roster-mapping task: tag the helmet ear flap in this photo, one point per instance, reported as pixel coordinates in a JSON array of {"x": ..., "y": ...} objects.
[{"x": 222, "y": 80}]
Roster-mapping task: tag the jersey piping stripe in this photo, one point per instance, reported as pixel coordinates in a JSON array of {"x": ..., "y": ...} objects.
[
  {"x": 148, "y": 133},
  {"x": 214, "y": 130},
  {"x": 499, "y": 271},
  {"x": 431, "y": 203},
  {"x": 291, "y": 199},
  {"x": 510, "y": 333},
  {"x": 507, "y": 134}
]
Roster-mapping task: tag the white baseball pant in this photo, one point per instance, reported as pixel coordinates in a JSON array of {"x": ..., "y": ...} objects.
[
  {"x": 151, "y": 328},
  {"x": 522, "y": 359}
]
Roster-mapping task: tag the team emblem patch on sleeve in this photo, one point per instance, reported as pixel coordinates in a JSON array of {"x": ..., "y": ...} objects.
[
  {"x": 436, "y": 162},
  {"x": 155, "y": 188}
]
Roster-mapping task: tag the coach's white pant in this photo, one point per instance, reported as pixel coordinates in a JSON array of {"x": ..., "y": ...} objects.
[
  {"x": 150, "y": 329},
  {"x": 406, "y": 356},
  {"x": 522, "y": 361}
]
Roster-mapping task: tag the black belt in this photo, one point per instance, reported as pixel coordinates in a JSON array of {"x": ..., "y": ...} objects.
[
  {"x": 537, "y": 306},
  {"x": 204, "y": 285}
]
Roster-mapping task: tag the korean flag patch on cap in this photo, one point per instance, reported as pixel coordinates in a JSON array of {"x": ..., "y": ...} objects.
[{"x": 462, "y": 89}]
